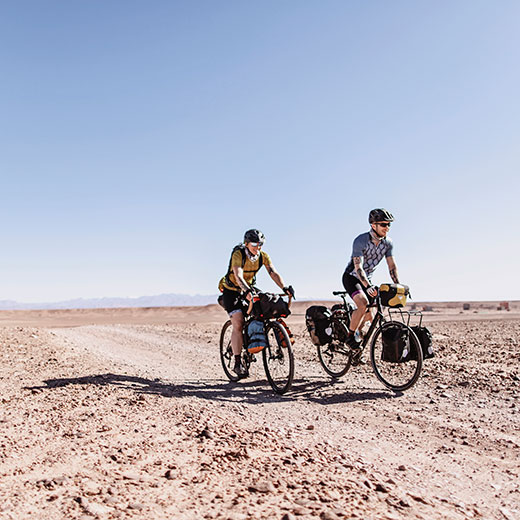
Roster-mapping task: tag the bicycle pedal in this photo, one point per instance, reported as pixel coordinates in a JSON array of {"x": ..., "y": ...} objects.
[{"x": 358, "y": 359}]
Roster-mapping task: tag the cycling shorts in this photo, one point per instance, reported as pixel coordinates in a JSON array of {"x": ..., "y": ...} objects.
[
  {"x": 233, "y": 301},
  {"x": 353, "y": 286}
]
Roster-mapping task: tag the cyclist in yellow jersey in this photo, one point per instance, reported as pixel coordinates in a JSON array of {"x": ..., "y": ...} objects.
[{"x": 238, "y": 284}]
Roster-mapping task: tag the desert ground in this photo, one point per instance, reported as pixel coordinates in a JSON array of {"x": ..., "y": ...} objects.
[{"x": 126, "y": 413}]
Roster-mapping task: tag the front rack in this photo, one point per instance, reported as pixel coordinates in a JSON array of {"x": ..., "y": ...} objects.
[{"x": 404, "y": 315}]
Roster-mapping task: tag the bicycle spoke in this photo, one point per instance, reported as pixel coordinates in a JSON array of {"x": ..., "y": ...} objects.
[
  {"x": 226, "y": 352},
  {"x": 278, "y": 358},
  {"x": 335, "y": 356}
]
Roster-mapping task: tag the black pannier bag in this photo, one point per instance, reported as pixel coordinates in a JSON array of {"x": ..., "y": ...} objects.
[
  {"x": 395, "y": 344},
  {"x": 270, "y": 306},
  {"x": 317, "y": 318},
  {"x": 425, "y": 339}
]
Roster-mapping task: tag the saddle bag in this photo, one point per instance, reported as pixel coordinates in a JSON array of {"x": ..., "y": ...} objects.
[
  {"x": 395, "y": 344},
  {"x": 318, "y": 321},
  {"x": 393, "y": 294},
  {"x": 256, "y": 339}
]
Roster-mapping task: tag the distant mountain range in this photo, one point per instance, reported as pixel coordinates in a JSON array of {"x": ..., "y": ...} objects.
[{"x": 161, "y": 300}]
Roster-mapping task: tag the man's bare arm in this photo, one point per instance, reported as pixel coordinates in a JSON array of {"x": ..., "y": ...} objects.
[
  {"x": 392, "y": 268},
  {"x": 358, "y": 266}
]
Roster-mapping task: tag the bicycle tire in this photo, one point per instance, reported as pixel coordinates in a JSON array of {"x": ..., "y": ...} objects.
[
  {"x": 226, "y": 352},
  {"x": 397, "y": 376},
  {"x": 335, "y": 357},
  {"x": 278, "y": 357}
]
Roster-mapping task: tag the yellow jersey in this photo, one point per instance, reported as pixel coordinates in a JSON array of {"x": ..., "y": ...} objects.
[{"x": 239, "y": 258}]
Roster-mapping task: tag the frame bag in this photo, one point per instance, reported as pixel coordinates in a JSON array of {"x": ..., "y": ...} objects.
[{"x": 318, "y": 321}]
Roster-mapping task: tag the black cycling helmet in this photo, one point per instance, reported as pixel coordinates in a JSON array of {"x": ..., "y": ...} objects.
[
  {"x": 254, "y": 235},
  {"x": 380, "y": 215}
]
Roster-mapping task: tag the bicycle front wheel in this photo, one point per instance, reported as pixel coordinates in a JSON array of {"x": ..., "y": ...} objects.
[
  {"x": 278, "y": 357},
  {"x": 335, "y": 357},
  {"x": 226, "y": 352},
  {"x": 402, "y": 374}
]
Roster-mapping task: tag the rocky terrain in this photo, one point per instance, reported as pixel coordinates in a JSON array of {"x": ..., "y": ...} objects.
[{"x": 138, "y": 421}]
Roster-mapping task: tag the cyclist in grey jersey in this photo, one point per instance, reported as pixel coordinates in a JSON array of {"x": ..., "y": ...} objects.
[
  {"x": 371, "y": 252},
  {"x": 367, "y": 252}
]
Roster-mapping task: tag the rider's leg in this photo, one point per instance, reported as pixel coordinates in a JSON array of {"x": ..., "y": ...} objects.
[
  {"x": 237, "y": 321},
  {"x": 368, "y": 317},
  {"x": 359, "y": 313}
]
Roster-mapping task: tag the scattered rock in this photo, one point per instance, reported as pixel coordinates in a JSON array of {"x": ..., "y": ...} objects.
[
  {"x": 131, "y": 476},
  {"x": 263, "y": 487},
  {"x": 96, "y": 509},
  {"x": 301, "y": 511},
  {"x": 206, "y": 433},
  {"x": 329, "y": 515},
  {"x": 418, "y": 498},
  {"x": 381, "y": 488},
  {"x": 404, "y": 503}
]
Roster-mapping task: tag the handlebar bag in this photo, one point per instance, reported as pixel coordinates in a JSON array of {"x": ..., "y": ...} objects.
[
  {"x": 393, "y": 294},
  {"x": 271, "y": 306},
  {"x": 318, "y": 321}
]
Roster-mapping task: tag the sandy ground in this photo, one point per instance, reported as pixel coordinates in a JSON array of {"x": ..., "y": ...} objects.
[{"x": 127, "y": 414}]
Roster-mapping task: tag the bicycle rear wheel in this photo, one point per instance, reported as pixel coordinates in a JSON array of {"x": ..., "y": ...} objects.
[
  {"x": 226, "y": 352},
  {"x": 396, "y": 375},
  {"x": 278, "y": 357},
  {"x": 335, "y": 357}
]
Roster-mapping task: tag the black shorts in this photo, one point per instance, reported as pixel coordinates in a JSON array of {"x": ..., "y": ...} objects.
[
  {"x": 353, "y": 286},
  {"x": 232, "y": 301}
]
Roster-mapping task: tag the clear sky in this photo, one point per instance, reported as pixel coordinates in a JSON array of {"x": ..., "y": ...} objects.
[{"x": 139, "y": 140}]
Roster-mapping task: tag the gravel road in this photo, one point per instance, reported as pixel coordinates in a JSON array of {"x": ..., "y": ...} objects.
[{"x": 138, "y": 421}]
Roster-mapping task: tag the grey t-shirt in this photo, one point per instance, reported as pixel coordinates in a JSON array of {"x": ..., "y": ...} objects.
[{"x": 371, "y": 253}]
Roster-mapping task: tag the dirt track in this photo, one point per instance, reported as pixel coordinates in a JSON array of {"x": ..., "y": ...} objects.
[{"x": 137, "y": 421}]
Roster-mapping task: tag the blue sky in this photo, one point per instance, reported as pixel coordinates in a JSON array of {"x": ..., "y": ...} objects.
[{"x": 140, "y": 139}]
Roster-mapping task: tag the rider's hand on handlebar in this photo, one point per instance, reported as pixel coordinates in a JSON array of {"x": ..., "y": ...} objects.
[
  {"x": 248, "y": 295},
  {"x": 372, "y": 291},
  {"x": 289, "y": 290}
]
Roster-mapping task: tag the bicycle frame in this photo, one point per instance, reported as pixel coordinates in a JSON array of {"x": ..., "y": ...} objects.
[{"x": 379, "y": 317}]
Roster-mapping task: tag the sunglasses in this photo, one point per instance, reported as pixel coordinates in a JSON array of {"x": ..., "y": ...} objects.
[
  {"x": 383, "y": 224},
  {"x": 256, "y": 244}
]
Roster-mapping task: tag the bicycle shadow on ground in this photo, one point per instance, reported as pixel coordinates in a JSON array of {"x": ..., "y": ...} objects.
[{"x": 246, "y": 391}]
